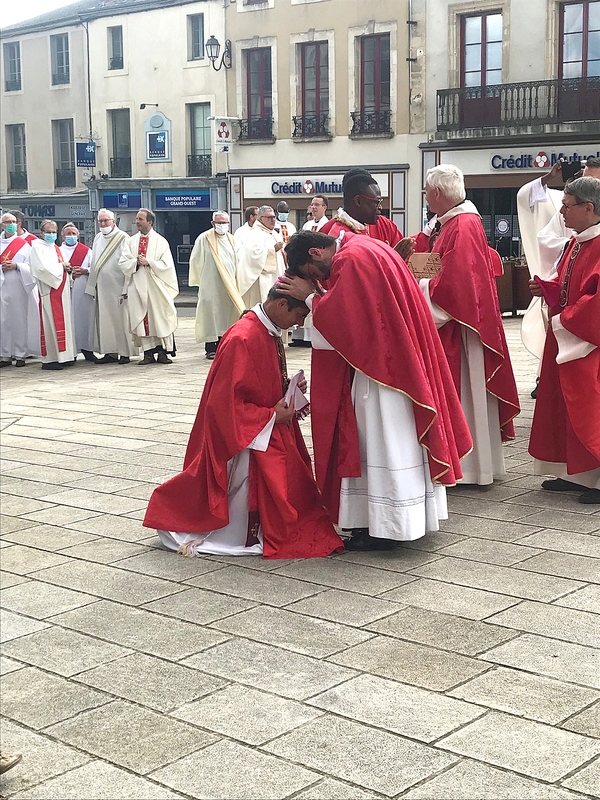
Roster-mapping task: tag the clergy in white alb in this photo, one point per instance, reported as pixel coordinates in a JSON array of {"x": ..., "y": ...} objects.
[
  {"x": 544, "y": 236},
  {"x": 241, "y": 234},
  {"x": 19, "y": 314},
  {"x": 152, "y": 287},
  {"x": 260, "y": 260},
  {"x": 78, "y": 257},
  {"x": 57, "y": 338},
  {"x": 213, "y": 269},
  {"x": 107, "y": 285}
]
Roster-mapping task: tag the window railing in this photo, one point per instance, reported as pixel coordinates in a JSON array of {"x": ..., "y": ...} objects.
[
  {"x": 61, "y": 78},
  {"x": 256, "y": 128},
  {"x": 365, "y": 122},
  {"x": 116, "y": 62},
  {"x": 310, "y": 125},
  {"x": 514, "y": 104},
  {"x": 199, "y": 165},
  {"x": 64, "y": 178},
  {"x": 17, "y": 181},
  {"x": 12, "y": 85},
  {"x": 120, "y": 168}
]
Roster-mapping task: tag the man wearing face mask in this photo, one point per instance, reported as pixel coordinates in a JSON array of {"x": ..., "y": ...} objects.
[
  {"x": 261, "y": 259},
  {"x": 151, "y": 290},
  {"x": 213, "y": 269},
  {"x": 106, "y": 284},
  {"x": 77, "y": 256},
  {"x": 285, "y": 228},
  {"x": 19, "y": 327},
  {"x": 54, "y": 285}
]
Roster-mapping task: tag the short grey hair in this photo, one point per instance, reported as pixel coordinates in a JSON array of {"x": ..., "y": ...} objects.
[
  {"x": 219, "y": 214},
  {"x": 110, "y": 213},
  {"x": 585, "y": 190},
  {"x": 448, "y": 180},
  {"x": 263, "y": 210}
]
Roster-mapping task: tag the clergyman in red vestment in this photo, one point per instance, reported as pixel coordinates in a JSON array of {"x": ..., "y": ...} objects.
[
  {"x": 464, "y": 302},
  {"x": 565, "y": 434},
  {"x": 247, "y": 485},
  {"x": 388, "y": 429}
]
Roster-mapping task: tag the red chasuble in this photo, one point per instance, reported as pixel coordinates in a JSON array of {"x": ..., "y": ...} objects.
[
  {"x": 466, "y": 290},
  {"x": 78, "y": 255},
  {"x": 566, "y": 422},
  {"x": 390, "y": 337},
  {"x": 384, "y": 229},
  {"x": 243, "y": 386}
]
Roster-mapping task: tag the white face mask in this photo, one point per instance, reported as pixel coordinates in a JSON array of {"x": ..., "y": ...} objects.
[
  {"x": 107, "y": 231},
  {"x": 222, "y": 228}
]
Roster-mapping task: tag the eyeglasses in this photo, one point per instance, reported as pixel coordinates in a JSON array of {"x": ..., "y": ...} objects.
[
  {"x": 566, "y": 208},
  {"x": 377, "y": 200},
  {"x": 268, "y": 217}
]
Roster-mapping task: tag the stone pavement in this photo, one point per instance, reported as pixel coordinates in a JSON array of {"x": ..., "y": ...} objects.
[{"x": 460, "y": 666}]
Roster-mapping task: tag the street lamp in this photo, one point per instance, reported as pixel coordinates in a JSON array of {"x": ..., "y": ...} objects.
[{"x": 213, "y": 48}]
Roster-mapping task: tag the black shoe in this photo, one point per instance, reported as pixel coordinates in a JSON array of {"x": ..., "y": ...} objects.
[
  {"x": 69, "y": 363},
  {"x": 299, "y": 343},
  {"x": 535, "y": 391},
  {"x": 5, "y": 363},
  {"x": 89, "y": 356},
  {"x": 124, "y": 359},
  {"x": 163, "y": 358},
  {"x": 54, "y": 365},
  {"x": 560, "y": 485},
  {"x": 590, "y": 497},
  {"x": 109, "y": 358},
  {"x": 20, "y": 362},
  {"x": 210, "y": 356}
]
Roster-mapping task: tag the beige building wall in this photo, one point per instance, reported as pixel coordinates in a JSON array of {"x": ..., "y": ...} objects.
[
  {"x": 39, "y": 102},
  {"x": 155, "y": 70}
]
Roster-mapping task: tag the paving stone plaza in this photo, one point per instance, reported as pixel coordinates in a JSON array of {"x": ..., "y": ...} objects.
[{"x": 459, "y": 666}]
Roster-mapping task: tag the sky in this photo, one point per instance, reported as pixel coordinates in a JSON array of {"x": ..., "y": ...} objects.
[{"x": 15, "y": 12}]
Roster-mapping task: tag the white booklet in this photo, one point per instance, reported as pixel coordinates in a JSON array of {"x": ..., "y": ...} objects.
[{"x": 300, "y": 401}]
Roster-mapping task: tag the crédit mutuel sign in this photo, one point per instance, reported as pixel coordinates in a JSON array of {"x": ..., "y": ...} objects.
[
  {"x": 307, "y": 186},
  {"x": 540, "y": 159}
]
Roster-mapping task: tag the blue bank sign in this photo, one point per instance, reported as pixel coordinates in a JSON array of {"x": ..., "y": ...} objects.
[
  {"x": 542, "y": 159},
  {"x": 182, "y": 200}
]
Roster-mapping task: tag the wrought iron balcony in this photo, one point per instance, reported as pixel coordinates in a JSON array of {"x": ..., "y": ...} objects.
[
  {"x": 368, "y": 122},
  {"x": 199, "y": 165},
  {"x": 310, "y": 125},
  {"x": 17, "y": 181},
  {"x": 120, "y": 168},
  {"x": 256, "y": 129},
  {"x": 510, "y": 105},
  {"x": 116, "y": 63},
  {"x": 61, "y": 77},
  {"x": 64, "y": 178},
  {"x": 12, "y": 85}
]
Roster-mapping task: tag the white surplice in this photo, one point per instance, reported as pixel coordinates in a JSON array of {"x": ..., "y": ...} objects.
[
  {"x": 231, "y": 539},
  {"x": 486, "y": 460},
  {"x": 544, "y": 236},
  {"x": 82, "y": 304},
  {"x": 394, "y": 497},
  {"x": 213, "y": 269},
  {"x": 19, "y": 309},
  {"x": 259, "y": 264},
  {"x": 151, "y": 292},
  {"x": 107, "y": 285},
  {"x": 49, "y": 272}
]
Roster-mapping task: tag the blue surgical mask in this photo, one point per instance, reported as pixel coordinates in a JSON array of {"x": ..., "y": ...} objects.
[
  {"x": 10, "y": 228},
  {"x": 50, "y": 238},
  {"x": 71, "y": 240},
  {"x": 282, "y": 216}
]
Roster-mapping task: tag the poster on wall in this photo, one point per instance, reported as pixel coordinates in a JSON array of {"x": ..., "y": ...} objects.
[
  {"x": 157, "y": 146},
  {"x": 223, "y": 135}
]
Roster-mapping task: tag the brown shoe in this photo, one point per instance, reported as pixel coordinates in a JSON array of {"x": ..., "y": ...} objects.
[
  {"x": 8, "y": 761},
  {"x": 146, "y": 360},
  {"x": 163, "y": 358}
]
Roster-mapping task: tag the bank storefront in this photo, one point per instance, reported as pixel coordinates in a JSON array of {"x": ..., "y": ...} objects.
[
  {"x": 298, "y": 186},
  {"x": 61, "y": 208},
  {"x": 183, "y": 209},
  {"x": 494, "y": 176}
]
